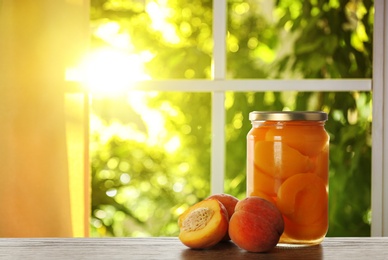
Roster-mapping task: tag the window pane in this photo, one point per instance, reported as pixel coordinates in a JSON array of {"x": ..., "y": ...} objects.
[
  {"x": 170, "y": 39},
  {"x": 150, "y": 156},
  {"x": 349, "y": 127},
  {"x": 300, "y": 39}
]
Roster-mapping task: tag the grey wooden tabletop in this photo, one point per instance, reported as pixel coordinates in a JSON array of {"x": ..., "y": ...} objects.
[{"x": 372, "y": 248}]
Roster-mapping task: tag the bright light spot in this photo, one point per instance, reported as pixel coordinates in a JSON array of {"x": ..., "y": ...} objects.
[
  {"x": 125, "y": 178},
  {"x": 113, "y": 69},
  {"x": 177, "y": 187},
  {"x": 162, "y": 180},
  {"x": 159, "y": 14},
  {"x": 184, "y": 167},
  {"x": 233, "y": 44},
  {"x": 252, "y": 43},
  {"x": 241, "y": 8},
  {"x": 124, "y": 166},
  {"x": 100, "y": 214},
  {"x": 153, "y": 118},
  {"x": 107, "y": 29},
  {"x": 113, "y": 163},
  {"x": 96, "y": 223},
  {"x": 173, "y": 144},
  {"x": 186, "y": 129},
  {"x": 105, "y": 174},
  {"x": 146, "y": 56},
  {"x": 110, "y": 33},
  {"x": 352, "y": 116},
  {"x": 131, "y": 192},
  {"x": 189, "y": 73},
  {"x": 125, "y": 132},
  {"x": 138, "y": 233},
  {"x": 180, "y": 210},
  {"x": 111, "y": 192},
  {"x": 237, "y": 123},
  {"x": 109, "y": 71}
]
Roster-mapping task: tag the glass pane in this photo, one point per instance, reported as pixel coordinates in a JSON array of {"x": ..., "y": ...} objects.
[
  {"x": 299, "y": 39},
  {"x": 349, "y": 126},
  {"x": 150, "y": 156},
  {"x": 160, "y": 39}
]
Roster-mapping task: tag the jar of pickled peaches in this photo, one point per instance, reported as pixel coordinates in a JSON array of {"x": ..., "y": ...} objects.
[{"x": 287, "y": 164}]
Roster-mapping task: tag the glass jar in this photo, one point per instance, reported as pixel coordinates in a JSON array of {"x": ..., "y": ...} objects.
[{"x": 287, "y": 164}]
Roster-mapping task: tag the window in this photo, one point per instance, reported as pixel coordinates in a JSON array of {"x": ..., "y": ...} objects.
[{"x": 222, "y": 85}]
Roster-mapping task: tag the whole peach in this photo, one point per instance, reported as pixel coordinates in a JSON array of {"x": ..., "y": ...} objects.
[
  {"x": 229, "y": 203},
  {"x": 256, "y": 225}
]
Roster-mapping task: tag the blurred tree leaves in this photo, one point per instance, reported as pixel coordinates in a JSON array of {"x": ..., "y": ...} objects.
[{"x": 143, "y": 180}]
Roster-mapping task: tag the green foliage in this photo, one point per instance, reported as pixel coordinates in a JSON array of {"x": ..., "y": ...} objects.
[{"x": 144, "y": 179}]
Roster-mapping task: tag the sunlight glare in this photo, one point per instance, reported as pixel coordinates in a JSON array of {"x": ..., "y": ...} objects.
[
  {"x": 159, "y": 14},
  {"x": 125, "y": 132},
  {"x": 153, "y": 118},
  {"x": 173, "y": 144},
  {"x": 108, "y": 71},
  {"x": 110, "y": 33}
]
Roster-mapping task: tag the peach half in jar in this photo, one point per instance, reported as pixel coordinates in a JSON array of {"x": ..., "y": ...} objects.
[
  {"x": 310, "y": 234},
  {"x": 280, "y": 160},
  {"x": 263, "y": 184},
  {"x": 321, "y": 162},
  {"x": 309, "y": 138},
  {"x": 302, "y": 199},
  {"x": 204, "y": 224}
]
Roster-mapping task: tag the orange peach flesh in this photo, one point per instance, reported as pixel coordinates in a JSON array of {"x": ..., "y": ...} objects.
[{"x": 204, "y": 224}]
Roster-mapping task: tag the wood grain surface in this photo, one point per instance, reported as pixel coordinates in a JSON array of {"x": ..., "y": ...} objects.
[{"x": 372, "y": 248}]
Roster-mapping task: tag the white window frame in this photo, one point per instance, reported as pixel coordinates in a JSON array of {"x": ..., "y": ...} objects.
[
  {"x": 380, "y": 121},
  {"x": 218, "y": 85}
]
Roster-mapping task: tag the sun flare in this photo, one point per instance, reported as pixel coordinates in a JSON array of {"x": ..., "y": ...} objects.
[{"x": 109, "y": 71}]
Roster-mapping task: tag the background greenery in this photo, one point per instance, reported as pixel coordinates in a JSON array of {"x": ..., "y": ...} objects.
[{"x": 151, "y": 159}]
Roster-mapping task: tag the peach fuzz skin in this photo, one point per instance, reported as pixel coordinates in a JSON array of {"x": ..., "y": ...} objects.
[
  {"x": 229, "y": 203},
  {"x": 256, "y": 225},
  {"x": 204, "y": 224}
]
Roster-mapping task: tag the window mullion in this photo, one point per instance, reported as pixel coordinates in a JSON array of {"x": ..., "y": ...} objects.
[
  {"x": 379, "y": 225},
  {"x": 385, "y": 120},
  {"x": 218, "y": 98}
]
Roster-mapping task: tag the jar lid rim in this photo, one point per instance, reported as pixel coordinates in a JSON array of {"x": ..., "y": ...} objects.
[{"x": 287, "y": 115}]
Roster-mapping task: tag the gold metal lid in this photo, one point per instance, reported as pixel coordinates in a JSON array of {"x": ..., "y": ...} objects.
[{"x": 287, "y": 115}]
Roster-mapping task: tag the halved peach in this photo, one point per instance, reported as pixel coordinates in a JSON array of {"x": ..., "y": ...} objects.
[
  {"x": 303, "y": 198},
  {"x": 204, "y": 224},
  {"x": 280, "y": 160}
]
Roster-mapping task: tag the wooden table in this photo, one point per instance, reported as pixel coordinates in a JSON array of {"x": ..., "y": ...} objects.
[{"x": 371, "y": 248}]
